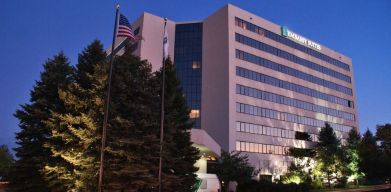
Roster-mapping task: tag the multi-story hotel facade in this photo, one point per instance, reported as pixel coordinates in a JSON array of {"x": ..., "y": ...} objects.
[{"x": 252, "y": 85}]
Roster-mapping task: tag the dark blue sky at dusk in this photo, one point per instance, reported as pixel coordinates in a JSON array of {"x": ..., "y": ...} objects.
[{"x": 32, "y": 31}]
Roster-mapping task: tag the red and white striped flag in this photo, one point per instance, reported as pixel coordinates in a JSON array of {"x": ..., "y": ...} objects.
[{"x": 124, "y": 28}]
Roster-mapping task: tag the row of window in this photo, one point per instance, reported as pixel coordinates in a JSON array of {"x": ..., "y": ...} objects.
[
  {"x": 278, "y": 38},
  {"x": 276, "y": 98},
  {"x": 290, "y": 71},
  {"x": 289, "y": 117},
  {"x": 242, "y": 72},
  {"x": 261, "y": 148},
  {"x": 288, "y": 56},
  {"x": 266, "y": 130}
]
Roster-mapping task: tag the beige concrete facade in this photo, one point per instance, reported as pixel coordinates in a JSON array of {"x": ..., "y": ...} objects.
[{"x": 219, "y": 116}]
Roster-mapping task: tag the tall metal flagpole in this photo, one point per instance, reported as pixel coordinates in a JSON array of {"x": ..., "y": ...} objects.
[
  {"x": 162, "y": 107},
  {"x": 106, "y": 112}
]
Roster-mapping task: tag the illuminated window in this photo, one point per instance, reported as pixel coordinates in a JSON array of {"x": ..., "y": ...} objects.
[
  {"x": 237, "y": 145},
  {"x": 242, "y": 146},
  {"x": 196, "y": 65},
  {"x": 252, "y": 147},
  {"x": 264, "y": 148},
  {"x": 194, "y": 113}
]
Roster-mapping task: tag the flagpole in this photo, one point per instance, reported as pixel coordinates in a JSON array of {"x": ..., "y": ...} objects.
[
  {"x": 162, "y": 108},
  {"x": 107, "y": 105}
]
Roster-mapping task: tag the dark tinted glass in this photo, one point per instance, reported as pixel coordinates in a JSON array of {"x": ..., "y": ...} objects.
[{"x": 188, "y": 62}]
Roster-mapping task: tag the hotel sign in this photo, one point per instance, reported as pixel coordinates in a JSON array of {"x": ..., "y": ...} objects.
[{"x": 285, "y": 32}]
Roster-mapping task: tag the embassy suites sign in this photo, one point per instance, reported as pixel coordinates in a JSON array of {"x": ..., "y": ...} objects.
[{"x": 286, "y": 33}]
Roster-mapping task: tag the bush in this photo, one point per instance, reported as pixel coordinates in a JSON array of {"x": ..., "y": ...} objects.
[{"x": 267, "y": 186}]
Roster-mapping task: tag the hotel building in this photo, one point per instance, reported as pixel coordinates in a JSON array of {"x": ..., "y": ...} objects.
[{"x": 252, "y": 85}]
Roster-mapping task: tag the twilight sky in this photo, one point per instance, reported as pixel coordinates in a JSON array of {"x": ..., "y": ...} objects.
[{"x": 32, "y": 31}]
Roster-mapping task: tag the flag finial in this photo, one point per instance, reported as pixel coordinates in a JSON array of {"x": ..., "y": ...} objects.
[{"x": 117, "y": 6}]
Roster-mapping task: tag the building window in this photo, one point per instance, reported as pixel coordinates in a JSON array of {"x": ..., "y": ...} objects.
[
  {"x": 194, "y": 113},
  {"x": 246, "y": 73},
  {"x": 196, "y": 65},
  {"x": 286, "y": 55},
  {"x": 188, "y": 48},
  {"x": 278, "y": 38},
  {"x": 238, "y": 146},
  {"x": 252, "y": 147},
  {"x": 290, "y": 71},
  {"x": 273, "y": 114}
]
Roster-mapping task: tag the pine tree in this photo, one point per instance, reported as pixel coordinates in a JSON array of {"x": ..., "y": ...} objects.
[
  {"x": 75, "y": 132},
  {"x": 352, "y": 156},
  {"x": 368, "y": 151},
  {"x": 132, "y": 138},
  {"x": 327, "y": 151},
  {"x": 179, "y": 156},
  {"x": 31, "y": 153},
  {"x": 383, "y": 135},
  {"x": 6, "y": 162}
]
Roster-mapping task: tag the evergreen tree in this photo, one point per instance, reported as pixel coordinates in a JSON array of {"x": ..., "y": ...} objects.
[
  {"x": 383, "y": 135},
  {"x": 31, "y": 153},
  {"x": 369, "y": 153},
  {"x": 234, "y": 166},
  {"x": 132, "y": 135},
  {"x": 6, "y": 161},
  {"x": 179, "y": 156},
  {"x": 352, "y": 156},
  {"x": 75, "y": 132},
  {"x": 327, "y": 151}
]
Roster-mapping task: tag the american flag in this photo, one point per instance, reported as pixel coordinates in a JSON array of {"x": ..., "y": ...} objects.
[{"x": 124, "y": 28}]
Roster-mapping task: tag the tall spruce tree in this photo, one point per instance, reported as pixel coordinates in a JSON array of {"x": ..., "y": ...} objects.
[
  {"x": 352, "y": 156},
  {"x": 132, "y": 135},
  {"x": 75, "y": 132},
  {"x": 383, "y": 135},
  {"x": 327, "y": 151},
  {"x": 31, "y": 153},
  {"x": 6, "y": 162},
  {"x": 179, "y": 156},
  {"x": 369, "y": 153}
]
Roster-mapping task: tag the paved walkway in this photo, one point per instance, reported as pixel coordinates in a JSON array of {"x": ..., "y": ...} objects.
[{"x": 385, "y": 187}]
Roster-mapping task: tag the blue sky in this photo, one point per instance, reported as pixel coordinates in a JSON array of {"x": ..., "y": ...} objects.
[{"x": 32, "y": 31}]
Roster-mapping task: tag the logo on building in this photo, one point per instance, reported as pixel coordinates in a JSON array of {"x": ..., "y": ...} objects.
[{"x": 286, "y": 33}]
